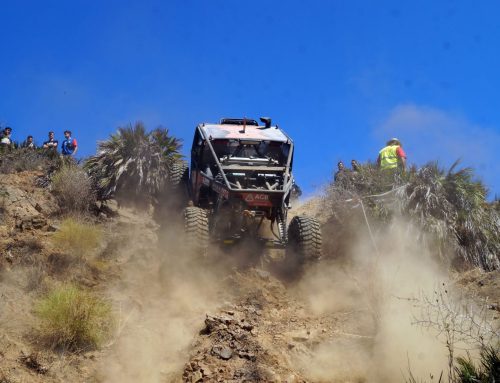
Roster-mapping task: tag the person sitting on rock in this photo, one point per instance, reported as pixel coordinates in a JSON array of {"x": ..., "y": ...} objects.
[
  {"x": 51, "y": 143},
  {"x": 69, "y": 146}
]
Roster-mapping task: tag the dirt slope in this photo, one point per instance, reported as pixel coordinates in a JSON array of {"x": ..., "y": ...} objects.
[
  {"x": 182, "y": 319},
  {"x": 264, "y": 334}
]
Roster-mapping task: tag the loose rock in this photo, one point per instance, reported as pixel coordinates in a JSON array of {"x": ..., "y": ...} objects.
[{"x": 222, "y": 352}]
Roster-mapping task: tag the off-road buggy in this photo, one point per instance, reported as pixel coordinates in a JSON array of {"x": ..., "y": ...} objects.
[{"x": 240, "y": 184}]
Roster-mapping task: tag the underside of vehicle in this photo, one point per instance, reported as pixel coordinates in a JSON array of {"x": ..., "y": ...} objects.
[{"x": 240, "y": 185}]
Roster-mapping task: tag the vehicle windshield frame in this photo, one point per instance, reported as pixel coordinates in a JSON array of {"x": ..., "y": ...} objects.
[{"x": 251, "y": 149}]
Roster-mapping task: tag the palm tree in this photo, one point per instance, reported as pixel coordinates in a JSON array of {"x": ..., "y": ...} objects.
[
  {"x": 134, "y": 163},
  {"x": 449, "y": 207},
  {"x": 452, "y": 205}
]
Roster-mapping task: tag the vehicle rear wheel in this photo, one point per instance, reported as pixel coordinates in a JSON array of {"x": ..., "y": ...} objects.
[
  {"x": 170, "y": 202},
  {"x": 304, "y": 239},
  {"x": 196, "y": 231},
  {"x": 178, "y": 183},
  {"x": 179, "y": 174}
]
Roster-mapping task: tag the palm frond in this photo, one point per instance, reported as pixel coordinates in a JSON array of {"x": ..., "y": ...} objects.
[
  {"x": 449, "y": 206},
  {"x": 134, "y": 162},
  {"x": 488, "y": 370}
]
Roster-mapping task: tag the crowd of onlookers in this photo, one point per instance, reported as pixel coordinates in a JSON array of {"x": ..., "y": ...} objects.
[
  {"x": 68, "y": 146},
  {"x": 391, "y": 158}
]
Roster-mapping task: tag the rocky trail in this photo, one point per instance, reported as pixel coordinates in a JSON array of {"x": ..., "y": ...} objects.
[
  {"x": 265, "y": 335},
  {"x": 192, "y": 321}
]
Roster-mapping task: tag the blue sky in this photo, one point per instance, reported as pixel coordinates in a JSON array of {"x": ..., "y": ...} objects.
[{"x": 340, "y": 77}]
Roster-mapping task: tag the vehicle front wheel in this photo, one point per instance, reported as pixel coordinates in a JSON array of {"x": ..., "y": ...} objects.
[{"x": 304, "y": 240}]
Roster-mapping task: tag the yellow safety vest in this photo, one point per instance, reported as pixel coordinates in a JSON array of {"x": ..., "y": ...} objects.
[{"x": 388, "y": 157}]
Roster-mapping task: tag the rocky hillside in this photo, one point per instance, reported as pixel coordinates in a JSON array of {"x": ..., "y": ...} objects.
[
  {"x": 182, "y": 319},
  {"x": 23, "y": 205}
]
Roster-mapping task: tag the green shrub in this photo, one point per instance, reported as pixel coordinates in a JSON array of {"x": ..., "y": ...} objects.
[
  {"x": 77, "y": 238},
  {"x": 73, "y": 319},
  {"x": 73, "y": 188},
  {"x": 488, "y": 369}
]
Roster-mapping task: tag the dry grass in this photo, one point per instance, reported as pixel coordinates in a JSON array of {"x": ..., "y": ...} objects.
[
  {"x": 77, "y": 238},
  {"x": 27, "y": 250},
  {"x": 25, "y": 159},
  {"x": 73, "y": 188},
  {"x": 73, "y": 319},
  {"x": 3, "y": 196},
  {"x": 36, "y": 278}
]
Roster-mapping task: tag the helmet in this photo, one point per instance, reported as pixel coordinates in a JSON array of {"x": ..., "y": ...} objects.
[{"x": 394, "y": 141}]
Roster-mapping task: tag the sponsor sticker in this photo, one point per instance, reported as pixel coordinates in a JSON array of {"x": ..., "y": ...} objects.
[{"x": 257, "y": 199}]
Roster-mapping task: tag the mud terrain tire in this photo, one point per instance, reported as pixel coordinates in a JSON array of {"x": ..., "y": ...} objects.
[
  {"x": 304, "y": 239},
  {"x": 196, "y": 231},
  {"x": 174, "y": 198},
  {"x": 179, "y": 174}
]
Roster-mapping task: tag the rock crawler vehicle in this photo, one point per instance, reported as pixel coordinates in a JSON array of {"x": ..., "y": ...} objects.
[{"x": 240, "y": 184}]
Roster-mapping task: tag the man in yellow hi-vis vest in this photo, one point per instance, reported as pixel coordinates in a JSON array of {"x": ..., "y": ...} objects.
[{"x": 392, "y": 156}]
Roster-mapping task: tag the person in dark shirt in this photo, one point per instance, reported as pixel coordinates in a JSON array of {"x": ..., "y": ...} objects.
[
  {"x": 51, "y": 143},
  {"x": 356, "y": 167},
  {"x": 340, "y": 170},
  {"x": 29, "y": 143},
  {"x": 69, "y": 146}
]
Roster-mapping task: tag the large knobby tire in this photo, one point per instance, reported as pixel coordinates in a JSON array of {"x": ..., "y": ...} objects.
[
  {"x": 196, "y": 231},
  {"x": 175, "y": 196},
  {"x": 304, "y": 240},
  {"x": 178, "y": 174}
]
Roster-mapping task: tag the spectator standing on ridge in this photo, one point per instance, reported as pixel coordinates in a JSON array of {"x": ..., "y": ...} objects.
[
  {"x": 6, "y": 139},
  {"x": 29, "y": 143},
  {"x": 51, "y": 143},
  {"x": 356, "y": 167},
  {"x": 340, "y": 169},
  {"x": 69, "y": 146},
  {"x": 392, "y": 156}
]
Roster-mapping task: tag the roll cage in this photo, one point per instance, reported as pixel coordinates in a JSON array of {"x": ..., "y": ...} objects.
[{"x": 227, "y": 161}]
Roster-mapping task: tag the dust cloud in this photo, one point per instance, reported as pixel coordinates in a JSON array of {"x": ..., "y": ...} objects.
[
  {"x": 162, "y": 299},
  {"x": 164, "y": 294},
  {"x": 375, "y": 286}
]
